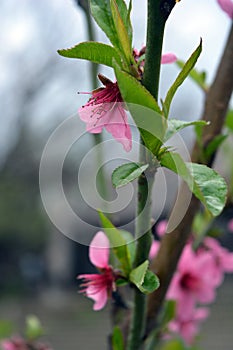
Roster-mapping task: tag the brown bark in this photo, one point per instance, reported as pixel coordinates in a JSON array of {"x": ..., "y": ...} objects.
[{"x": 172, "y": 244}]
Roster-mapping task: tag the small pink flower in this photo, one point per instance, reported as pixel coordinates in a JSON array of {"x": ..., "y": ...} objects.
[
  {"x": 189, "y": 327},
  {"x": 161, "y": 228},
  {"x": 193, "y": 281},
  {"x": 105, "y": 109},
  {"x": 99, "y": 286},
  {"x": 15, "y": 343},
  {"x": 223, "y": 258},
  {"x": 154, "y": 249},
  {"x": 226, "y": 6},
  {"x": 8, "y": 345},
  {"x": 230, "y": 225},
  {"x": 168, "y": 58}
]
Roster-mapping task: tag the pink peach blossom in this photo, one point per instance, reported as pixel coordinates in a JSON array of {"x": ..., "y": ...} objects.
[
  {"x": 8, "y": 345},
  {"x": 161, "y": 228},
  {"x": 168, "y": 58},
  {"x": 154, "y": 249},
  {"x": 99, "y": 286},
  {"x": 222, "y": 257},
  {"x": 226, "y": 6},
  {"x": 105, "y": 109},
  {"x": 165, "y": 58},
  {"x": 193, "y": 281},
  {"x": 189, "y": 327}
]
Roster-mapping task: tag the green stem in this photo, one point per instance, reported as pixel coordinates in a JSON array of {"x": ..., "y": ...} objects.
[
  {"x": 155, "y": 30},
  {"x": 145, "y": 185}
]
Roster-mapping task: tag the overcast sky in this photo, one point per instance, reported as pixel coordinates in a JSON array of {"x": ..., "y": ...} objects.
[{"x": 32, "y": 32}]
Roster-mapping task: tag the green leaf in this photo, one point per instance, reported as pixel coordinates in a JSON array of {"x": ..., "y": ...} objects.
[
  {"x": 121, "y": 30},
  {"x": 127, "y": 173},
  {"x": 121, "y": 247},
  {"x": 101, "y": 12},
  {"x": 181, "y": 77},
  {"x": 131, "y": 246},
  {"x": 229, "y": 120},
  {"x": 174, "y": 125},
  {"x": 213, "y": 145},
  {"x": 212, "y": 185},
  {"x": 6, "y": 329},
  {"x": 125, "y": 15},
  {"x": 150, "y": 283},
  {"x": 175, "y": 344},
  {"x": 34, "y": 328},
  {"x": 137, "y": 275},
  {"x": 168, "y": 312},
  {"x": 198, "y": 77},
  {"x": 208, "y": 186},
  {"x": 140, "y": 102},
  {"x": 117, "y": 339},
  {"x": 146, "y": 281},
  {"x": 92, "y": 51}
]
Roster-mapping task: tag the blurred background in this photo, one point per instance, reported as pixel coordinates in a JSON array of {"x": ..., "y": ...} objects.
[{"x": 38, "y": 90}]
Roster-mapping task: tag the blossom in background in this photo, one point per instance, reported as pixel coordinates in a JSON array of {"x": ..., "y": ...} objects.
[
  {"x": 226, "y": 6},
  {"x": 230, "y": 225},
  {"x": 188, "y": 327},
  {"x": 166, "y": 58},
  {"x": 18, "y": 343},
  {"x": 222, "y": 257},
  {"x": 193, "y": 281},
  {"x": 105, "y": 109},
  {"x": 154, "y": 249},
  {"x": 99, "y": 286},
  {"x": 161, "y": 228}
]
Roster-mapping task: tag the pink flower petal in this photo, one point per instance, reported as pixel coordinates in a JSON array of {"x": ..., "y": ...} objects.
[
  {"x": 154, "y": 249},
  {"x": 99, "y": 250},
  {"x": 226, "y": 6},
  {"x": 8, "y": 345},
  {"x": 168, "y": 58},
  {"x": 161, "y": 228},
  {"x": 100, "y": 297},
  {"x": 118, "y": 126}
]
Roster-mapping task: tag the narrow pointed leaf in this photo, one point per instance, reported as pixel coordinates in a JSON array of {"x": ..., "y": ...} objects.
[
  {"x": 101, "y": 12},
  {"x": 198, "y": 77},
  {"x": 121, "y": 30},
  {"x": 168, "y": 312},
  {"x": 118, "y": 242},
  {"x": 117, "y": 339},
  {"x": 126, "y": 173},
  {"x": 175, "y": 125},
  {"x": 181, "y": 77},
  {"x": 208, "y": 186},
  {"x": 92, "y": 51},
  {"x": 125, "y": 15}
]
